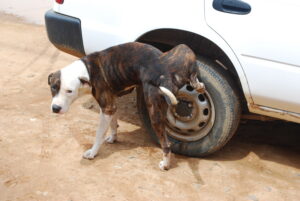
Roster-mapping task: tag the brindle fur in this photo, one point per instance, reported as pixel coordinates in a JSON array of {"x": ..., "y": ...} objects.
[
  {"x": 54, "y": 81},
  {"x": 115, "y": 71}
]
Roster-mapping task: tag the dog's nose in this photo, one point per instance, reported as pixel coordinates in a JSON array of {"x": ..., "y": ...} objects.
[{"x": 56, "y": 108}]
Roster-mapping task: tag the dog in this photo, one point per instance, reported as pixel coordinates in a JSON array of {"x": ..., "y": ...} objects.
[{"x": 116, "y": 71}]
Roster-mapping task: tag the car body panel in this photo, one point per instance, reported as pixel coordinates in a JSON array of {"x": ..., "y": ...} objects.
[{"x": 267, "y": 46}]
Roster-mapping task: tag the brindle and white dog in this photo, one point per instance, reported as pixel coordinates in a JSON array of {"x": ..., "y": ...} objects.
[{"x": 116, "y": 71}]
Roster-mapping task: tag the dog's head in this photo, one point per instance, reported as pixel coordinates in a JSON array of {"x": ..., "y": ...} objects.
[{"x": 67, "y": 84}]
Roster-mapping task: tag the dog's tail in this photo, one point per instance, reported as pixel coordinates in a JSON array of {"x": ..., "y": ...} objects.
[{"x": 169, "y": 96}]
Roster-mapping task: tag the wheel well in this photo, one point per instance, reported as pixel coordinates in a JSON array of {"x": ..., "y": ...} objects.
[{"x": 165, "y": 39}]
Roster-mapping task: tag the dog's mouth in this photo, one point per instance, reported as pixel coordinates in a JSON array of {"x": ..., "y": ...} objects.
[{"x": 59, "y": 113}]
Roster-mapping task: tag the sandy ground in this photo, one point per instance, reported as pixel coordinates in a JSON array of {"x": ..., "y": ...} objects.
[{"x": 40, "y": 153}]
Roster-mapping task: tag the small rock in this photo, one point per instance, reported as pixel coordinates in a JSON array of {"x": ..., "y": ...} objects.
[
  {"x": 42, "y": 193},
  {"x": 197, "y": 185},
  {"x": 253, "y": 198},
  {"x": 32, "y": 119},
  {"x": 268, "y": 188},
  {"x": 30, "y": 75},
  {"x": 227, "y": 189}
]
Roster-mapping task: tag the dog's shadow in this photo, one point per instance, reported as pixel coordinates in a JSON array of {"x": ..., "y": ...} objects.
[
  {"x": 130, "y": 142},
  {"x": 260, "y": 138},
  {"x": 276, "y": 141},
  {"x": 127, "y": 108},
  {"x": 126, "y": 141},
  {"x": 269, "y": 141}
]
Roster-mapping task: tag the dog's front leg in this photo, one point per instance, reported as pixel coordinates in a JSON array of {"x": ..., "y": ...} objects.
[
  {"x": 112, "y": 136},
  {"x": 104, "y": 123}
]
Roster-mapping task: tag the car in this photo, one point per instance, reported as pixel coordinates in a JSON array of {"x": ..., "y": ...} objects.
[{"x": 248, "y": 53}]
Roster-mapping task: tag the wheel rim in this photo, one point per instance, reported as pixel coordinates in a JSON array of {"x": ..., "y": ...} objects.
[{"x": 193, "y": 117}]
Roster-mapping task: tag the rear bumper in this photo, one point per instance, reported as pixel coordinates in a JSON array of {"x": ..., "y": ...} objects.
[{"x": 65, "y": 33}]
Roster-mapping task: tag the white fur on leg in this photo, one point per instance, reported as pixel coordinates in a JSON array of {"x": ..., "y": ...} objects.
[
  {"x": 105, "y": 121},
  {"x": 112, "y": 137},
  {"x": 165, "y": 163}
]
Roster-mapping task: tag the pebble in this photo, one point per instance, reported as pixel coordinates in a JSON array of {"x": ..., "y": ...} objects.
[
  {"x": 42, "y": 193},
  {"x": 131, "y": 157},
  {"x": 32, "y": 119},
  {"x": 197, "y": 186},
  {"x": 268, "y": 188},
  {"x": 227, "y": 189},
  {"x": 30, "y": 75},
  {"x": 253, "y": 198},
  {"x": 117, "y": 167}
]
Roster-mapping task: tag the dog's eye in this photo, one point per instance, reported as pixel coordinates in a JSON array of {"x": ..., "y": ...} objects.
[
  {"x": 69, "y": 91},
  {"x": 53, "y": 88}
]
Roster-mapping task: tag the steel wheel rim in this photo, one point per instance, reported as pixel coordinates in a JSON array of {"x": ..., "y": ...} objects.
[{"x": 196, "y": 117}]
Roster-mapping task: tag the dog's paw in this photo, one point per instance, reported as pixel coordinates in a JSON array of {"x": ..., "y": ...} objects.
[
  {"x": 89, "y": 154},
  {"x": 111, "y": 139},
  {"x": 163, "y": 165}
]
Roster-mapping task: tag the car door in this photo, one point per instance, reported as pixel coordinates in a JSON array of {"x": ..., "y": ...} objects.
[{"x": 265, "y": 36}]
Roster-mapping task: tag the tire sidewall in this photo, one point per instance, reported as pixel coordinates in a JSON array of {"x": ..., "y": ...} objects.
[{"x": 226, "y": 105}]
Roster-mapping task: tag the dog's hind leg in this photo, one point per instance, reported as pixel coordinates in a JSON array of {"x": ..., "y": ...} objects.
[
  {"x": 112, "y": 136},
  {"x": 165, "y": 145},
  {"x": 157, "y": 108},
  {"x": 104, "y": 123},
  {"x": 158, "y": 125}
]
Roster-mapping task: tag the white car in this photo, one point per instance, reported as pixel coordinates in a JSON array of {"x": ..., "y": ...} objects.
[{"x": 249, "y": 54}]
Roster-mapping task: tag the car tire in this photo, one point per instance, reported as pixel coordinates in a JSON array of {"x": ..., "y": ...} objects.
[{"x": 227, "y": 110}]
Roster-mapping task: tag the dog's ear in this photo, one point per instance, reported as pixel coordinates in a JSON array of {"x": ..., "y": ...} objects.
[
  {"x": 49, "y": 78},
  {"x": 84, "y": 81}
]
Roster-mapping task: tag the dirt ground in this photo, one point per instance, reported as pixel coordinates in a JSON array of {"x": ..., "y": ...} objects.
[{"x": 41, "y": 153}]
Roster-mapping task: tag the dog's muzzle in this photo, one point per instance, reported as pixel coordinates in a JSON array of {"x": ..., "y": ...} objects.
[{"x": 56, "y": 108}]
